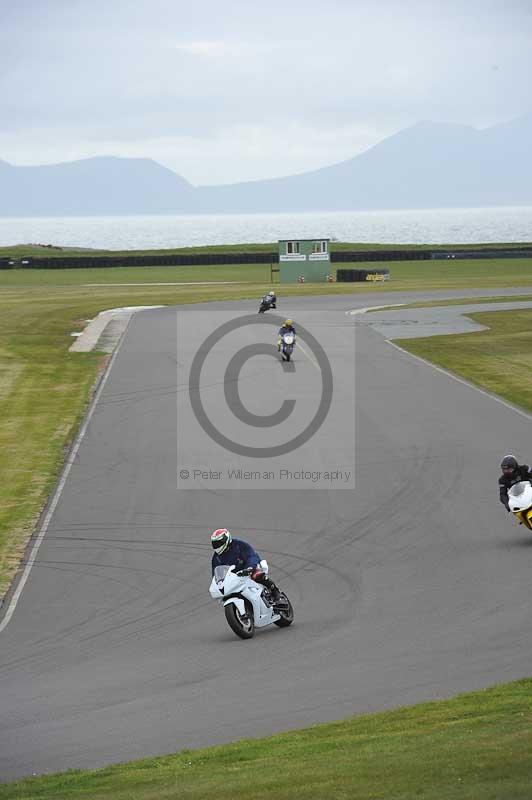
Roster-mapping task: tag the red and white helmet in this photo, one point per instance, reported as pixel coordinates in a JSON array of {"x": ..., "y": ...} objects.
[{"x": 220, "y": 540}]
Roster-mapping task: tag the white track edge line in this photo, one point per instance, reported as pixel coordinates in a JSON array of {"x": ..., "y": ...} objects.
[
  {"x": 59, "y": 490},
  {"x": 497, "y": 399},
  {"x": 449, "y": 374},
  {"x": 356, "y": 311},
  {"x": 309, "y": 357}
]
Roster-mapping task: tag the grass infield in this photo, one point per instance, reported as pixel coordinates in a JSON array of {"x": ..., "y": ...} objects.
[
  {"x": 405, "y": 276},
  {"x": 476, "y": 746},
  {"x": 462, "y": 301},
  {"x": 498, "y": 359}
]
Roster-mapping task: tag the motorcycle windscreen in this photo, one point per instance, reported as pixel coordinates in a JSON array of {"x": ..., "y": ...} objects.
[
  {"x": 520, "y": 497},
  {"x": 220, "y": 572}
]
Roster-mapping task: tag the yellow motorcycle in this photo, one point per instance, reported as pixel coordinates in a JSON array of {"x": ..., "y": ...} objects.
[{"x": 520, "y": 502}]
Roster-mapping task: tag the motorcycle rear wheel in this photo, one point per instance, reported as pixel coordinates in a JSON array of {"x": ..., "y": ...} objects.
[
  {"x": 242, "y": 625},
  {"x": 285, "y": 611}
]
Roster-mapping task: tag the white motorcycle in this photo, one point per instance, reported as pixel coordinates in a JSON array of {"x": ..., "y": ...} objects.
[
  {"x": 520, "y": 502},
  {"x": 246, "y": 603}
]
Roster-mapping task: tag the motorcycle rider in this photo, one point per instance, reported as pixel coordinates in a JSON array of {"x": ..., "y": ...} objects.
[
  {"x": 228, "y": 551},
  {"x": 286, "y": 327},
  {"x": 512, "y": 473},
  {"x": 269, "y": 300}
]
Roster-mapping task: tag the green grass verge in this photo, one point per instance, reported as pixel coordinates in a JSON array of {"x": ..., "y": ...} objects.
[
  {"x": 498, "y": 359},
  {"x": 252, "y": 273},
  {"x": 405, "y": 275},
  {"x": 460, "y": 301},
  {"x": 477, "y": 746}
]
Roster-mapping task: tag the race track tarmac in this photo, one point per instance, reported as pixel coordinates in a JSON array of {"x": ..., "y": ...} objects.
[{"x": 413, "y": 585}]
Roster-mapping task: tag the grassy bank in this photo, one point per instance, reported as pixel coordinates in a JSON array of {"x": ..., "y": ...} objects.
[
  {"x": 476, "y": 746},
  {"x": 498, "y": 359}
]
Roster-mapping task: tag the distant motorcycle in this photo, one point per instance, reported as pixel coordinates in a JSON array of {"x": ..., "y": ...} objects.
[
  {"x": 287, "y": 345},
  {"x": 247, "y": 604},
  {"x": 266, "y": 304},
  {"x": 520, "y": 502}
]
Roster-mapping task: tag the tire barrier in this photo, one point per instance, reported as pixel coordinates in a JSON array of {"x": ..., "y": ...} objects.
[
  {"x": 353, "y": 256},
  {"x": 169, "y": 260},
  {"x": 514, "y": 252}
]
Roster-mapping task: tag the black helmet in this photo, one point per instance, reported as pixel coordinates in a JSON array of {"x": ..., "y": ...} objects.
[{"x": 509, "y": 464}]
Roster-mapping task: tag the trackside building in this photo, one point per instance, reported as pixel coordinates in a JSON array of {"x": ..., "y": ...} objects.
[{"x": 307, "y": 258}]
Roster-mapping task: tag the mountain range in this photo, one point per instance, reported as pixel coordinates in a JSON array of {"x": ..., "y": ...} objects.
[{"x": 428, "y": 165}]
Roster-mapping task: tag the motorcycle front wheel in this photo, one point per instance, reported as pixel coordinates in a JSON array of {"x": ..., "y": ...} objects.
[
  {"x": 284, "y": 608},
  {"x": 241, "y": 624}
]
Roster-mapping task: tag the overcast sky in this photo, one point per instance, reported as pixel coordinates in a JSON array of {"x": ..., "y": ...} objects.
[{"x": 241, "y": 90}]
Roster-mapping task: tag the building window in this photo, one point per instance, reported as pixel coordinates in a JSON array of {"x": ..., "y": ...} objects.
[
  {"x": 319, "y": 247},
  {"x": 292, "y": 248}
]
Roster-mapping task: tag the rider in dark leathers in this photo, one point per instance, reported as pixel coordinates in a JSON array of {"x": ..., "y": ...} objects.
[
  {"x": 228, "y": 551},
  {"x": 270, "y": 300},
  {"x": 512, "y": 473}
]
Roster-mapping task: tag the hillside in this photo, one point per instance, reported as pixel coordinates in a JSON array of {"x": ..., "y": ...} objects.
[{"x": 429, "y": 165}]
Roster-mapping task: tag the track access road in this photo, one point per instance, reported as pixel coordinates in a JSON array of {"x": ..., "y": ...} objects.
[{"x": 413, "y": 585}]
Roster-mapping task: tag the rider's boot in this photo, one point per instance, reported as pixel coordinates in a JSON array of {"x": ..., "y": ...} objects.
[{"x": 275, "y": 594}]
